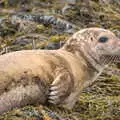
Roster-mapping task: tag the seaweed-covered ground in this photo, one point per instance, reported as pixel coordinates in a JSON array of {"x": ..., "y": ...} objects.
[{"x": 46, "y": 24}]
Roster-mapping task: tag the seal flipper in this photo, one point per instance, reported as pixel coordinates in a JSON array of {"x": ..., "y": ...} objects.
[{"x": 61, "y": 88}]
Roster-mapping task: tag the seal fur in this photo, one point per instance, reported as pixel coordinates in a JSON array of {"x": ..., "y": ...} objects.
[{"x": 55, "y": 76}]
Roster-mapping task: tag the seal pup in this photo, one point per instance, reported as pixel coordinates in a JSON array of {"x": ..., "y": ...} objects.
[{"x": 56, "y": 76}]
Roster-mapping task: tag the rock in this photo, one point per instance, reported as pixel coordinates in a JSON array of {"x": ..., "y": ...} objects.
[
  {"x": 53, "y": 45},
  {"x": 7, "y": 27},
  {"x": 105, "y": 2},
  {"x": 59, "y": 24},
  {"x": 66, "y": 8},
  {"x": 21, "y": 41},
  {"x": 27, "y": 39},
  {"x": 71, "y": 2},
  {"x": 26, "y": 26},
  {"x": 12, "y": 3}
]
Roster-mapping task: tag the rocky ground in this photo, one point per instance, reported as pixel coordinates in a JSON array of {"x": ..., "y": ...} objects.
[{"x": 46, "y": 24}]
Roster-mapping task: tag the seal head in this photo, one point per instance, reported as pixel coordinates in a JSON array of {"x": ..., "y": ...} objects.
[{"x": 98, "y": 46}]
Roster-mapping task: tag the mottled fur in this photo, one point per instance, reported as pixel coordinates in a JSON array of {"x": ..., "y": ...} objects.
[{"x": 54, "y": 76}]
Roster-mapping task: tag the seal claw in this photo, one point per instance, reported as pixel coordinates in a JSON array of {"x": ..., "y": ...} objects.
[{"x": 58, "y": 90}]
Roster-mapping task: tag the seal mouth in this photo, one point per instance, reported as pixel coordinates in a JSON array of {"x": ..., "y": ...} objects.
[{"x": 109, "y": 59}]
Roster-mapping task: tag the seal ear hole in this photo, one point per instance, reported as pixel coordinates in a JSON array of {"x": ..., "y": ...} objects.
[
  {"x": 103, "y": 39},
  {"x": 91, "y": 38}
]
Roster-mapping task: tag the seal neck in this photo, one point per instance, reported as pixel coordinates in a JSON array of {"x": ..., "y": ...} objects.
[{"x": 89, "y": 57}]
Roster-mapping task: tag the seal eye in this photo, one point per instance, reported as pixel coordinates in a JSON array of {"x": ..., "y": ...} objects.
[{"x": 103, "y": 39}]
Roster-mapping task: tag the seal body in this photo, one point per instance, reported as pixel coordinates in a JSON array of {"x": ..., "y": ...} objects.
[
  {"x": 56, "y": 76},
  {"x": 26, "y": 76}
]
